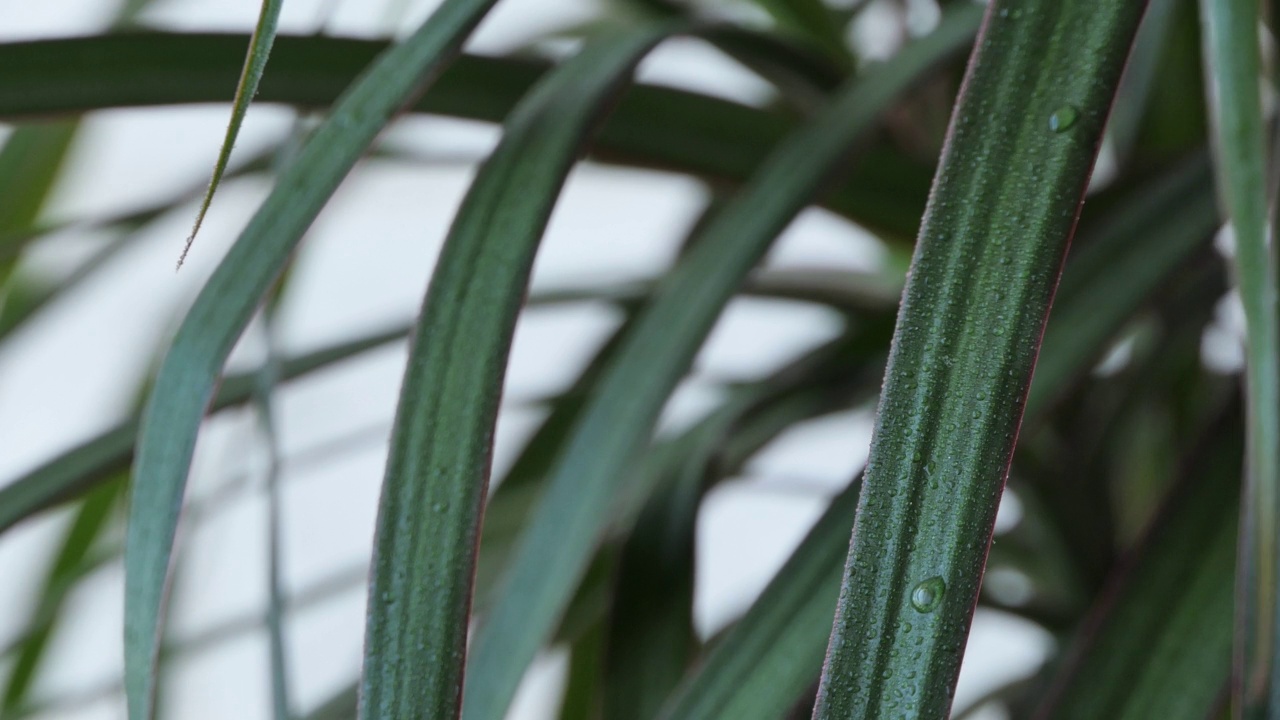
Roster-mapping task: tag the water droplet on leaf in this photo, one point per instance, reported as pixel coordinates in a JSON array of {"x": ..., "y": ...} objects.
[
  {"x": 927, "y": 596},
  {"x": 1063, "y": 118}
]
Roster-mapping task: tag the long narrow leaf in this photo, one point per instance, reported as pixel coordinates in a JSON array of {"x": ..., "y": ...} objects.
[
  {"x": 31, "y": 160},
  {"x": 1234, "y": 68},
  {"x": 437, "y": 471},
  {"x": 557, "y": 545},
  {"x": 653, "y": 126},
  {"x": 1015, "y": 168},
  {"x": 185, "y": 383},
  {"x": 264, "y": 35},
  {"x": 650, "y": 634}
]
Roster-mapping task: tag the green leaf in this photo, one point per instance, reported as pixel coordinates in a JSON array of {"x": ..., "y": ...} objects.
[
  {"x": 264, "y": 34},
  {"x": 832, "y": 377},
  {"x": 94, "y": 461},
  {"x": 651, "y": 636},
  {"x": 187, "y": 377},
  {"x": 69, "y": 564},
  {"x": 1171, "y": 126},
  {"x": 651, "y": 639},
  {"x": 767, "y": 660},
  {"x": 1139, "y": 76},
  {"x": 581, "y": 700},
  {"x": 652, "y": 126},
  {"x": 811, "y": 20},
  {"x": 738, "y": 682},
  {"x": 1235, "y": 69},
  {"x": 30, "y": 162},
  {"x": 557, "y": 545},
  {"x": 1014, "y": 171},
  {"x": 1158, "y": 644},
  {"x": 440, "y": 448}
]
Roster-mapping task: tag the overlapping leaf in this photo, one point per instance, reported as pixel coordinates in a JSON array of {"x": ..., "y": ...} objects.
[
  {"x": 556, "y": 547},
  {"x": 1017, "y": 163},
  {"x": 652, "y": 127},
  {"x": 185, "y": 383},
  {"x": 440, "y": 449}
]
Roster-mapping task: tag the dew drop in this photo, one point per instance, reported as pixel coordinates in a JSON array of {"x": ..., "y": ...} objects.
[
  {"x": 927, "y": 596},
  {"x": 1063, "y": 118}
]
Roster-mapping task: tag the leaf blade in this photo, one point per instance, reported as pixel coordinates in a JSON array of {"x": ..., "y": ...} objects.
[
  {"x": 739, "y": 679},
  {"x": 1015, "y": 168},
  {"x": 1234, "y": 64},
  {"x": 619, "y": 418},
  {"x": 438, "y": 464},
  {"x": 255, "y": 63},
  {"x": 185, "y": 382},
  {"x": 652, "y": 127}
]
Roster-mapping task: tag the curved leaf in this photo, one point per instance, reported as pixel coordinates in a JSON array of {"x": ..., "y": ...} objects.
[
  {"x": 264, "y": 34},
  {"x": 437, "y": 471},
  {"x": 652, "y": 127},
  {"x": 557, "y": 545},
  {"x": 185, "y": 383},
  {"x": 1015, "y": 168}
]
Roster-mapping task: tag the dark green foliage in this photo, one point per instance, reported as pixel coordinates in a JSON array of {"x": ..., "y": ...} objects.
[{"x": 1049, "y": 332}]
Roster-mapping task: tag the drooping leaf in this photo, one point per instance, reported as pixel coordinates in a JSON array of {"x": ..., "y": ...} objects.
[
  {"x": 187, "y": 377},
  {"x": 557, "y": 545},
  {"x": 255, "y": 62},
  {"x": 438, "y": 464},
  {"x": 652, "y": 127},
  {"x": 1017, "y": 162},
  {"x": 1234, "y": 68}
]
